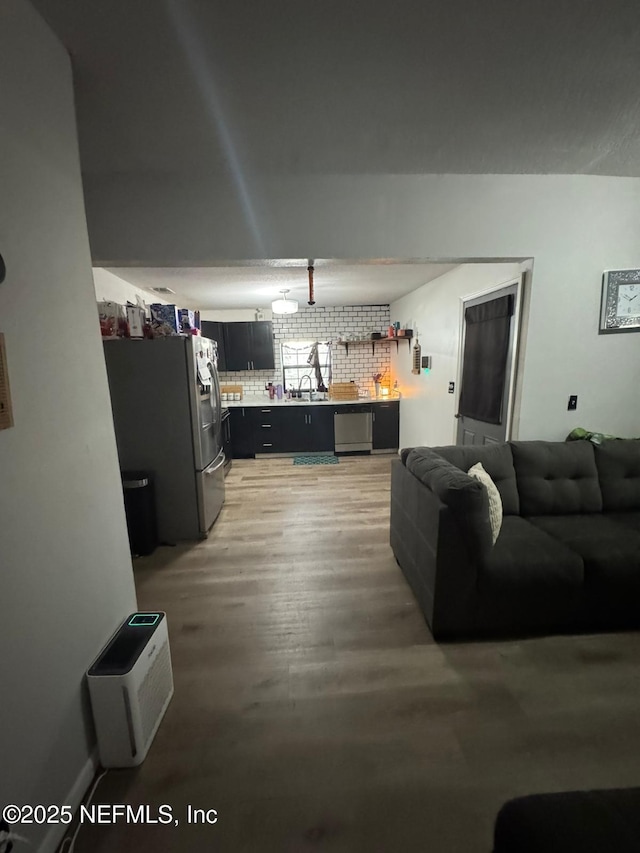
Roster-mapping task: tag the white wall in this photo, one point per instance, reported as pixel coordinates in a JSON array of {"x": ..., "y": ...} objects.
[
  {"x": 433, "y": 312},
  {"x": 574, "y": 227},
  {"x": 112, "y": 288},
  {"x": 66, "y": 570},
  {"x": 234, "y": 315}
]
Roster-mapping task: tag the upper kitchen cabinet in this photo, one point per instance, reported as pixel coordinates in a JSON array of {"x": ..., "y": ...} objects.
[
  {"x": 215, "y": 332},
  {"x": 249, "y": 346}
]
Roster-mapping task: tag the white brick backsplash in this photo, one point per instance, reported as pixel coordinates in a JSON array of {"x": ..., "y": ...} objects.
[{"x": 327, "y": 324}]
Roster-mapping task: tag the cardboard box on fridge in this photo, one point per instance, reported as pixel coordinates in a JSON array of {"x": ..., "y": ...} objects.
[
  {"x": 165, "y": 319},
  {"x": 187, "y": 319},
  {"x": 136, "y": 319},
  {"x": 113, "y": 320}
]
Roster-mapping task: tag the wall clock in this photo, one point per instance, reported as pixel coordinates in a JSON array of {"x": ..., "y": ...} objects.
[{"x": 620, "y": 301}]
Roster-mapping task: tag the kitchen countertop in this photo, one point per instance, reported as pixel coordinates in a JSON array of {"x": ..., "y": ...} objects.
[{"x": 256, "y": 400}]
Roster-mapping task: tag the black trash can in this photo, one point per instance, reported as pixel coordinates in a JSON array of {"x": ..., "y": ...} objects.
[{"x": 140, "y": 508}]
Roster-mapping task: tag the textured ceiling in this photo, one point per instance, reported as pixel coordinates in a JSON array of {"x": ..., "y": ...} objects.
[
  {"x": 336, "y": 283},
  {"x": 410, "y": 86}
]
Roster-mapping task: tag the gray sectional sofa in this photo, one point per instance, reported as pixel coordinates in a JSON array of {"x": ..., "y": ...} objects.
[{"x": 568, "y": 554}]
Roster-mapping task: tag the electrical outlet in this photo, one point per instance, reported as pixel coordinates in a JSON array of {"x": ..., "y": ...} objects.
[{"x": 573, "y": 403}]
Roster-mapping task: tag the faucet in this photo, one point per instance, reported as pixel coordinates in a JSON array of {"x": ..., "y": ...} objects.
[{"x": 306, "y": 376}]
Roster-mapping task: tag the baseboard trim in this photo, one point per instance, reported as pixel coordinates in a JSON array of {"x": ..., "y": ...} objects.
[{"x": 74, "y": 797}]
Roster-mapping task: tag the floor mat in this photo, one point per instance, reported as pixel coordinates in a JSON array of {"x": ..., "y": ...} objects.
[{"x": 315, "y": 460}]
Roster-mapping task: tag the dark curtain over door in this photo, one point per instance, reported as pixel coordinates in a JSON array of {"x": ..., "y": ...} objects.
[{"x": 486, "y": 345}]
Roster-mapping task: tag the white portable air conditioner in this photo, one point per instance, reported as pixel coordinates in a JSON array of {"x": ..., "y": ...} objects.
[{"x": 130, "y": 685}]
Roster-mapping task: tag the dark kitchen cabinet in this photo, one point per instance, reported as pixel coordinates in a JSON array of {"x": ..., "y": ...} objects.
[
  {"x": 295, "y": 428},
  {"x": 386, "y": 425},
  {"x": 268, "y": 429},
  {"x": 242, "y": 432},
  {"x": 321, "y": 424},
  {"x": 306, "y": 429},
  {"x": 262, "y": 354},
  {"x": 215, "y": 332},
  {"x": 249, "y": 346}
]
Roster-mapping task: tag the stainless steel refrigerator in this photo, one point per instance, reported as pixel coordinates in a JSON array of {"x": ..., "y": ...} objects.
[{"x": 165, "y": 396}]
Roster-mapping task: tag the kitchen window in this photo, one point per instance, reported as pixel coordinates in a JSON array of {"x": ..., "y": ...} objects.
[{"x": 295, "y": 365}]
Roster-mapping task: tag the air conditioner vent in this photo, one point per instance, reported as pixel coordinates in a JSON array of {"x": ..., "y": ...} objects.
[{"x": 165, "y": 290}]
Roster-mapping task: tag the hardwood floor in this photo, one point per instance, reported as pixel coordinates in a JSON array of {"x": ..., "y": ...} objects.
[{"x": 312, "y": 708}]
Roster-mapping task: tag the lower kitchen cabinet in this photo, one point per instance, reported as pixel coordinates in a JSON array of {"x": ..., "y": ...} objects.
[
  {"x": 386, "y": 425},
  {"x": 268, "y": 426},
  {"x": 242, "y": 432},
  {"x": 321, "y": 433},
  {"x": 297, "y": 428},
  {"x": 307, "y": 429}
]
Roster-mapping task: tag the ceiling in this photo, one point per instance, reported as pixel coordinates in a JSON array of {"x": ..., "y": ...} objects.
[
  {"x": 211, "y": 87},
  {"x": 256, "y": 286}
]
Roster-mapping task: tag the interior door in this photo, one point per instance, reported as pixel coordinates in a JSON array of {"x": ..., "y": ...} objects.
[{"x": 488, "y": 347}]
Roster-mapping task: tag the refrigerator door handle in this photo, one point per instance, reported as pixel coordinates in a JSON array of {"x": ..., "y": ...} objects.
[{"x": 218, "y": 462}]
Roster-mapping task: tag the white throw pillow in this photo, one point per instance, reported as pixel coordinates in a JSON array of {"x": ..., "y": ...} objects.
[{"x": 495, "y": 501}]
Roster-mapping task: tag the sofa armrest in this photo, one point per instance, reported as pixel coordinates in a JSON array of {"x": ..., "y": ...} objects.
[
  {"x": 433, "y": 553},
  {"x": 463, "y": 495}
]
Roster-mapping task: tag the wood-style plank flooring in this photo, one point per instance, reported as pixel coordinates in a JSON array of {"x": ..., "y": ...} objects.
[{"x": 312, "y": 708}]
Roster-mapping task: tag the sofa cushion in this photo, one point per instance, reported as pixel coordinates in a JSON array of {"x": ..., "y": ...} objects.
[
  {"x": 496, "y": 460},
  {"x": 628, "y": 519},
  {"x": 610, "y": 551},
  {"x": 556, "y": 477},
  {"x": 570, "y": 822},
  {"x": 463, "y": 495},
  {"x": 525, "y": 557},
  {"x": 495, "y": 503},
  {"x": 618, "y": 464}
]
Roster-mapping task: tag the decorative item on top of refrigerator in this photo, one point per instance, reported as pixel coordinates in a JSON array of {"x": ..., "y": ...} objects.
[
  {"x": 113, "y": 321},
  {"x": 189, "y": 321},
  {"x": 136, "y": 321},
  {"x": 165, "y": 320}
]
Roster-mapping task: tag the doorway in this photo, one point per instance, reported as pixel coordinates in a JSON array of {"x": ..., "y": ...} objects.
[{"x": 489, "y": 345}]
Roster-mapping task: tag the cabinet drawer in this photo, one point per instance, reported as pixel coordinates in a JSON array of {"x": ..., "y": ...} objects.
[{"x": 266, "y": 416}]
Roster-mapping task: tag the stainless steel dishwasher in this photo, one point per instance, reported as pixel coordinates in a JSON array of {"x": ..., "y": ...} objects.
[{"x": 353, "y": 428}]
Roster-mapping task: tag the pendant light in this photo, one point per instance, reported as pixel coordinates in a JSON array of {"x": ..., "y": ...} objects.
[{"x": 284, "y": 305}]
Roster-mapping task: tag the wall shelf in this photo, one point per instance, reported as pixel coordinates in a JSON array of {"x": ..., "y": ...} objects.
[{"x": 374, "y": 341}]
